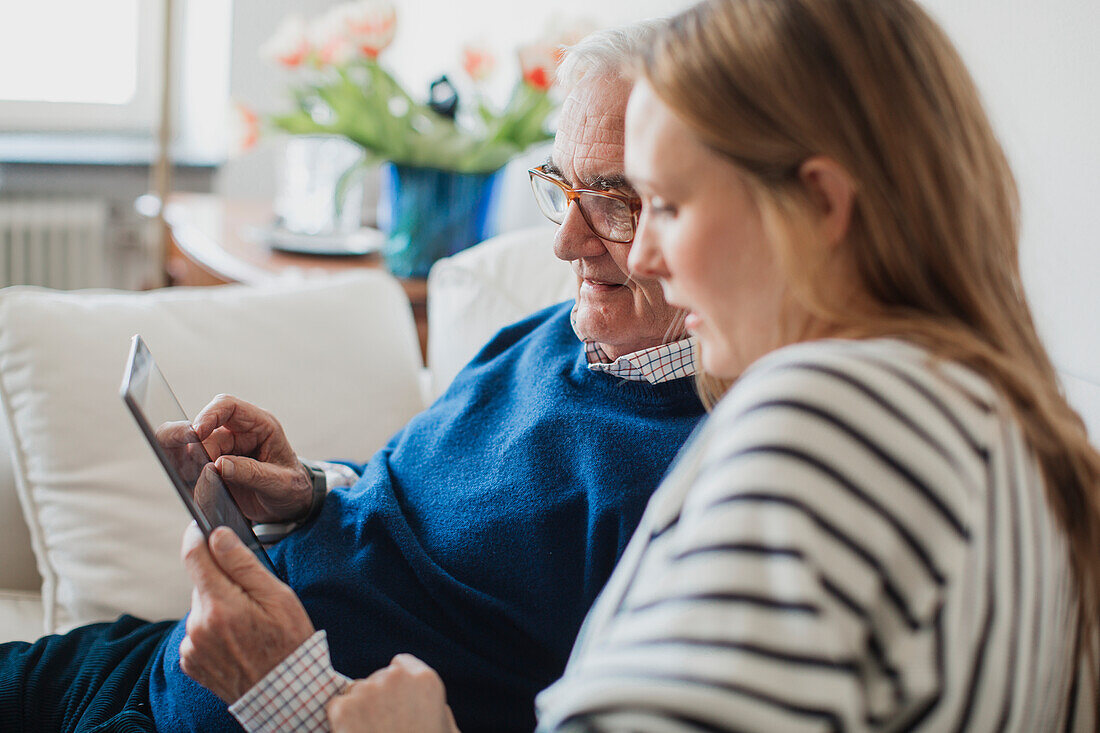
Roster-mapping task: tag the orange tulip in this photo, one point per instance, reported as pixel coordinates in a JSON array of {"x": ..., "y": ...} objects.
[
  {"x": 289, "y": 45},
  {"x": 329, "y": 36},
  {"x": 478, "y": 62},
  {"x": 539, "y": 64},
  {"x": 371, "y": 26},
  {"x": 244, "y": 129}
]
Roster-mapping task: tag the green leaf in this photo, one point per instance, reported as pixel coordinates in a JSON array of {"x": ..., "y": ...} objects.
[
  {"x": 296, "y": 123},
  {"x": 369, "y": 107}
]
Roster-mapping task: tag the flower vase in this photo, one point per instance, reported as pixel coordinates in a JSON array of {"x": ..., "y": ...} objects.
[
  {"x": 429, "y": 213},
  {"x": 319, "y": 192}
]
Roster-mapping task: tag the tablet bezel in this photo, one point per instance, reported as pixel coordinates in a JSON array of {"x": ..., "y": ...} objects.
[{"x": 138, "y": 349}]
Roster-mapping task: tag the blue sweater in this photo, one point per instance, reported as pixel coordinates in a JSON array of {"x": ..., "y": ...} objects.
[{"x": 480, "y": 535}]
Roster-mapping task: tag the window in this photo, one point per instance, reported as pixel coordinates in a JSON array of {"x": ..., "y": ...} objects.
[
  {"x": 94, "y": 68},
  {"x": 77, "y": 65}
]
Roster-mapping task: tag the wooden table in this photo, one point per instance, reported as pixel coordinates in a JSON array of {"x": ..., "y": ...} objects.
[{"x": 211, "y": 247}]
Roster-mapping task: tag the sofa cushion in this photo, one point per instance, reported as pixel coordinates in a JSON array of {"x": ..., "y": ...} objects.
[
  {"x": 336, "y": 361},
  {"x": 478, "y": 291}
]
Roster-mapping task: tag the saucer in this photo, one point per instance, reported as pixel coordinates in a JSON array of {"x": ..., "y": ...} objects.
[{"x": 360, "y": 242}]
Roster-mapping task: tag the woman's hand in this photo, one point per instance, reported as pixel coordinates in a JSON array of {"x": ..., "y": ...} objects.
[
  {"x": 405, "y": 697},
  {"x": 243, "y": 620},
  {"x": 255, "y": 460}
]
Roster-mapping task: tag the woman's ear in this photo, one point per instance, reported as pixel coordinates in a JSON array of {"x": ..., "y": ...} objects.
[{"x": 832, "y": 193}]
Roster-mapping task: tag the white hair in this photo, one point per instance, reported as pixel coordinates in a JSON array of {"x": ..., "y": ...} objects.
[{"x": 609, "y": 52}]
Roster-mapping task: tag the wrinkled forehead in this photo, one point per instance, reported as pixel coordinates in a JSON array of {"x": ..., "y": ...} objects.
[{"x": 588, "y": 147}]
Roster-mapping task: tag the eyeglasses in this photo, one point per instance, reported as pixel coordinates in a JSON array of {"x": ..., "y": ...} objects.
[{"x": 610, "y": 215}]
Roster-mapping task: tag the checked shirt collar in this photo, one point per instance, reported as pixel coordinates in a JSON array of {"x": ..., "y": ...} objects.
[{"x": 654, "y": 365}]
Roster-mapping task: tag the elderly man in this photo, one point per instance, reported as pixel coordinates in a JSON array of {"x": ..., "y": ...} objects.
[{"x": 476, "y": 539}]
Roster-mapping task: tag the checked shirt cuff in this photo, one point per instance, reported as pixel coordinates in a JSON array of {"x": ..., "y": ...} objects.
[
  {"x": 294, "y": 694},
  {"x": 337, "y": 475}
]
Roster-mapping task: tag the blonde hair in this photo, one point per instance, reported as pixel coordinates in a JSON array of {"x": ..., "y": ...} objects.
[{"x": 876, "y": 86}]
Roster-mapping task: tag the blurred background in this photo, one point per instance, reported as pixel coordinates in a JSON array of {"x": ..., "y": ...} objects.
[{"x": 80, "y": 101}]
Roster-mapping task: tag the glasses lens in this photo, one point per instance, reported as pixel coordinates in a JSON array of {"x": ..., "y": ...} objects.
[
  {"x": 609, "y": 218},
  {"x": 550, "y": 198}
]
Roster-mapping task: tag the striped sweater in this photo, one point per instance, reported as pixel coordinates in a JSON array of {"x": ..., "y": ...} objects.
[{"x": 857, "y": 539}]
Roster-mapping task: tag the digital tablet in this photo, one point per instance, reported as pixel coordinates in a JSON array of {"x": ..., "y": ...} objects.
[{"x": 165, "y": 425}]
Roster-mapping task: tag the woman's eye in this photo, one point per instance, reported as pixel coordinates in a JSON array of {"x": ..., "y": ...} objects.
[{"x": 660, "y": 207}]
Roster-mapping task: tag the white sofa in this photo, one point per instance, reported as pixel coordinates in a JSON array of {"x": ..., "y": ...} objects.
[{"x": 90, "y": 527}]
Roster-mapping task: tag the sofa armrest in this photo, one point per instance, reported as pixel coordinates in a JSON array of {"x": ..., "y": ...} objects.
[
  {"x": 21, "y": 617},
  {"x": 18, "y": 570}
]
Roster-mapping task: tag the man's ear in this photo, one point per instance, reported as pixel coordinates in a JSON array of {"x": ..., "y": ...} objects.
[{"x": 832, "y": 192}]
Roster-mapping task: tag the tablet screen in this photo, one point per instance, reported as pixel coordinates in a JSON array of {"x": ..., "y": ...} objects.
[{"x": 185, "y": 460}]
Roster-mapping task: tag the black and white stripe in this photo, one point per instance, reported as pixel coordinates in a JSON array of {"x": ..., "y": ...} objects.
[{"x": 857, "y": 540}]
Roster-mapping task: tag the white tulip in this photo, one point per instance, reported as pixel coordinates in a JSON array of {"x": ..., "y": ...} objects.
[{"x": 289, "y": 45}]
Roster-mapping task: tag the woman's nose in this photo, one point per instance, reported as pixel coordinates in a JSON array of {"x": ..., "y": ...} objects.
[{"x": 645, "y": 259}]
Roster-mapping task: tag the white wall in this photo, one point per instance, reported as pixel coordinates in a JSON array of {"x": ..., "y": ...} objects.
[{"x": 1038, "y": 67}]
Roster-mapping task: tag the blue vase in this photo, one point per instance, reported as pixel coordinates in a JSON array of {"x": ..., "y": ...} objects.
[{"x": 429, "y": 213}]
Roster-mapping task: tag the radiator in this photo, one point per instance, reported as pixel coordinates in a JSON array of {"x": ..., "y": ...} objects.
[{"x": 53, "y": 242}]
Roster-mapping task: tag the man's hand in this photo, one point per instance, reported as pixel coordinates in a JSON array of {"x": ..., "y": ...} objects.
[
  {"x": 243, "y": 620},
  {"x": 405, "y": 697},
  {"x": 255, "y": 460},
  {"x": 182, "y": 446}
]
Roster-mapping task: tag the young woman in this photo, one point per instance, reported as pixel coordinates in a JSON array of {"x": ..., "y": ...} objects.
[{"x": 891, "y": 521}]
